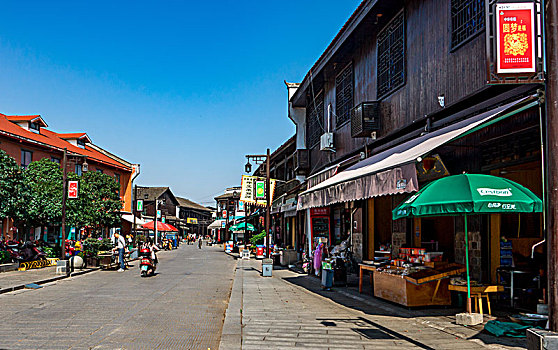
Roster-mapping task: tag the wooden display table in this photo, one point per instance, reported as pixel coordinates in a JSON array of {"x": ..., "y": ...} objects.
[
  {"x": 477, "y": 293},
  {"x": 364, "y": 267},
  {"x": 423, "y": 288}
]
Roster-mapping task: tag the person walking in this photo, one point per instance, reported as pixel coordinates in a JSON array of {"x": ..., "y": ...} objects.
[
  {"x": 120, "y": 245},
  {"x": 199, "y": 242}
]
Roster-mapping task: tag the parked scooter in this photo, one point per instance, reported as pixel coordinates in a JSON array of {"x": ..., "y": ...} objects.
[
  {"x": 12, "y": 247},
  {"x": 29, "y": 252},
  {"x": 147, "y": 265}
]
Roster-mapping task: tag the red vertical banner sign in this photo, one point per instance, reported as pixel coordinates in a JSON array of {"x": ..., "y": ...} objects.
[
  {"x": 515, "y": 38},
  {"x": 72, "y": 189}
]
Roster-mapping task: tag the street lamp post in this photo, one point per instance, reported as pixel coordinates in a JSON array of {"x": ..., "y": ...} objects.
[
  {"x": 65, "y": 195},
  {"x": 259, "y": 159},
  {"x": 157, "y": 202}
]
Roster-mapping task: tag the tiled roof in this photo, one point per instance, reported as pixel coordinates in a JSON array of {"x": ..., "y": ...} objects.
[
  {"x": 186, "y": 203},
  {"x": 26, "y": 118},
  {"x": 52, "y": 140},
  {"x": 74, "y": 135},
  {"x": 154, "y": 193}
]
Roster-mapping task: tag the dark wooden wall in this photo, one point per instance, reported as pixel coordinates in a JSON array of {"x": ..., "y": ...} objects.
[{"x": 432, "y": 69}]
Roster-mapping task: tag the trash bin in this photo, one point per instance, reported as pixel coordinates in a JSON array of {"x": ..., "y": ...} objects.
[
  {"x": 276, "y": 259},
  {"x": 267, "y": 267},
  {"x": 339, "y": 272},
  {"x": 327, "y": 278}
]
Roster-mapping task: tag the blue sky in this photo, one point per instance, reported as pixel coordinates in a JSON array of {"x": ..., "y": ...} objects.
[{"x": 185, "y": 88}]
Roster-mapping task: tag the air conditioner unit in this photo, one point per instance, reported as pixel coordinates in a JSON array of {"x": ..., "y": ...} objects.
[
  {"x": 301, "y": 160},
  {"x": 326, "y": 142},
  {"x": 365, "y": 119}
]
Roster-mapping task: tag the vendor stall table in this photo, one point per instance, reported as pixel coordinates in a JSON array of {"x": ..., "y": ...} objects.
[
  {"x": 477, "y": 293},
  {"x": 423, "y": 288},
  {"x": 362, "y": 268}
]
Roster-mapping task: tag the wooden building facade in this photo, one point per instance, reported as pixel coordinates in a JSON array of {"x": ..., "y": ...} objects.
[{"x": 417, "y": 69}]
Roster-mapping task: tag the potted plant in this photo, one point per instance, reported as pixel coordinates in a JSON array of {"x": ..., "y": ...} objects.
[{"x": 90, "y": 251}]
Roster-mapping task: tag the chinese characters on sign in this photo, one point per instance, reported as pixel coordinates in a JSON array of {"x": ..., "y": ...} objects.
[
  {"x": 72, "y": 189},
  {"x": 252, "y": 188},
  {"x": 515, "y": 38}
]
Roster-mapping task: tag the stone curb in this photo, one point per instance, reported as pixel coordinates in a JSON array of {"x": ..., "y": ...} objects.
[
  {"x": 48, "y": 280},
  {"x": 231, "y": 334}
]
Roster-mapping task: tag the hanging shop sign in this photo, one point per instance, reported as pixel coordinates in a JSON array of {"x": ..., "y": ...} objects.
[
  {"x": 253, "y": 187},
  {"x": 224, "y": 214},
  {"x": 192, "y": 220},
  {"x": 73, "y": 189},
  {"x": 515, "y": 48},
  {"x": 260, "y": 189},
  {"x": 515, "y": 38}
]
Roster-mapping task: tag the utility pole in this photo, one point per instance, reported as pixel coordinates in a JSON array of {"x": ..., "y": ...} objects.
[
  {"x": 551, "y": 38},
  {"x": 156, "y": 219},
  {"x": 134, "y": 210},
  {"x": 64, "y": 194},
  {"x": 268, "y": 204}
]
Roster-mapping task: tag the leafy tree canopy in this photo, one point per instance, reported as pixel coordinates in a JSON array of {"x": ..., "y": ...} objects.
[
  {"x": 43, "y": 184},
  {"x": 12, "y": 201}
]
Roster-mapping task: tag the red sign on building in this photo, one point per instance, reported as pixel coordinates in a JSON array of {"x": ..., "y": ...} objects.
[
  {"x": 72, "y": 189},
  {"x": 515, "y": 38},
  {"x": 323, "y": 211}
]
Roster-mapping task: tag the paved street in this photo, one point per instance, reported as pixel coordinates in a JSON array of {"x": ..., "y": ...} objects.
[
  {"x": 289, "y": 311},
  {"x": 182, "y": 307}
]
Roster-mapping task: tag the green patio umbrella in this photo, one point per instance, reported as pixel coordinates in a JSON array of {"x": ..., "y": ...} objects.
[
  {"x": 241, "y": 226},
  {"x": 469, "y": 194}
]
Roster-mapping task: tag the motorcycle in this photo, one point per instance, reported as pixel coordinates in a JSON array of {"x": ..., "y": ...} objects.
[
  {"x": 147, "y": 265},
  {"x": 29, "y": 252},
  {"x": 13, "y": 249}
]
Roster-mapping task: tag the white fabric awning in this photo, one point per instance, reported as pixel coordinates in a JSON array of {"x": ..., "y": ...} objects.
[
  {"x": 392, "y": 171},
  {"x": 216, "y": 224},
  {"x": 130, "y": 218}
]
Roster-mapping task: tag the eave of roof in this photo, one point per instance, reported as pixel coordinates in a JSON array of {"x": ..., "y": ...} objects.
[
  {"x": 75, "y": 136},
  {"x": 350, "y": 25},
  {"x": 27, "y": 118},
  {"x": 51, "y": 140},
  {"x": 186, "y": 203}
]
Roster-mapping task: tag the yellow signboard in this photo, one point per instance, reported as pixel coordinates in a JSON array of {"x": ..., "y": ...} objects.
[
  {"x": 192, "y": 220},
  {"x": 251, "y": 184}
]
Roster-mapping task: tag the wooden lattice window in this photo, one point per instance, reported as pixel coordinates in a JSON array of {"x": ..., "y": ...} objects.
[
  {"x": 467, "y": 20},
  {"x": 314, "y": 119},
  {"x": 344, "y": 95},
  {"x": 391, "y": 56}
]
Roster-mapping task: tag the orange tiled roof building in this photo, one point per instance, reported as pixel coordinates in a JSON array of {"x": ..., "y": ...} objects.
[{"x": 26, "y": 139}]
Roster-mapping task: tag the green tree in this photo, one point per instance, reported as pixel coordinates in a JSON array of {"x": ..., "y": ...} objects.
[
  {"x": 99, "y": 200},
  {"x": 12, "y": 203},
  {"x": 43, "y": 184}
]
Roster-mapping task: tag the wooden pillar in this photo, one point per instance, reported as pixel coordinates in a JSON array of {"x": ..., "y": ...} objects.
[
  {"x": 370, "y": 228},
  {"x": 293, "y": 231},
  {"x": 417, "y": 233},
  {"x": 495, "y": 225},
  {"x": 551, "y": 41}
]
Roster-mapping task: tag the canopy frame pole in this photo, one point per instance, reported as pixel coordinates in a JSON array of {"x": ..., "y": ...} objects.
[{"x": 467, "y": 266}]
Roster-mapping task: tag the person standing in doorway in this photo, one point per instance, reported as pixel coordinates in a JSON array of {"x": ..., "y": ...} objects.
[{"x": 120, "y": 245}]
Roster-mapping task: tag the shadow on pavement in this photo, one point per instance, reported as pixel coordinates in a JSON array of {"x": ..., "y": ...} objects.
[{"x": 349, "y": 297}]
